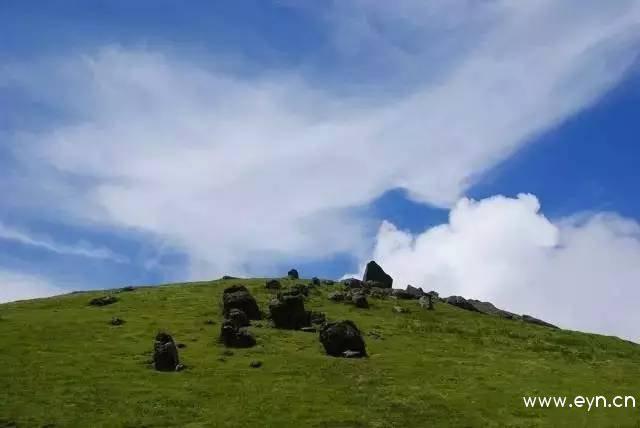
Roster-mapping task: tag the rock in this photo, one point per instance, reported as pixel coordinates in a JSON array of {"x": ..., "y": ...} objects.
[
  {"x": 336, "y": 296},
  {"x": 352, "y": 283},
  {"x": 416, "y": 292},
  {"x": 287, "y": 311},
  {"x": 360, "y": 301},
  {"x": 532, "y": 320},
  {"x": 255, "y": 364},
  {"x": 103, "y": 301},
  {"x": 434, "y": 294},
  {"x": 426, "y": 302},
  {"x": 403, "y": 294},
  {"x": 461, "y": 302},
  {"x": 341, "y": 336},
  {"x": 272, "y": 284},
  {"x": 127, "y": 288},
  {"x": 293, "y": 274},
  {"x": 315, "y": 280},
  {"x": 238, "y": 297},
  {"x": 380, "y": 293},
  {"x": 317, "y": 317},
  {"x": 328, "y": 282},
  {"x": 400, "y": 310},
  {"x": 165, "y": 353},
  {"x": 116, "y": 321},
  {"x": 373, "y": 272},
  {"x": 235, "y": 337},
  {"x": 300, "y": 289},
  {"x": 238, "y": 318},
  {"x": 308, "y": 329},
  {"x": 181, "y": 345},
  {"x": 227, "y": 277}
]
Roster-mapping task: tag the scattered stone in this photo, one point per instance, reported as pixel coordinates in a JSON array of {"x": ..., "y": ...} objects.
[
  {"x": 181, "y": 345},
  {"x": 328, "y": 282},
  {"x": 127, "y": 288},
  {"x": 103, "y": 301},
  {"x": 287, "y": 311},
  {"x": 315, "y": 280},
  {"x": 238, "y": 318},
  {"x": 308, "y": 329},
  {"x": 426, "y": 302},
  {"x": 116, "y": 321},
  {"x": 293, "y": 274},
  {"x": 235, "y": 337},
  {"x": 341, "y": 336},
  {"x": 360, "y": 301},
  {"x": 352, "y": 283},
  {"x": 373, "y": 272},
  {"x": 416, "y": 292},
  {"x": 380, "y": 293},
  {"x": 272, "y": 284},
  {"x": 400, "y": 310},
  {"x": 317, "y": 317},
  {"x": 238, "y": 297},
  {"x": 336, "y": 296},
  {"x": 402, "y": 294},
  {"x": 255, "y": 364},
  {"x": 165, "y": 353},
  {"x": 532, "y": 320}
]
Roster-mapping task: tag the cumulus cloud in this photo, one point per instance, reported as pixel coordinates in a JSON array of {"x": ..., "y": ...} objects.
[
  {"x": 580, "y": 272},
  {"x": 20, "y": 286},
  {"x": 83, "y": 249},
  {"x": 238, "y": 167}
]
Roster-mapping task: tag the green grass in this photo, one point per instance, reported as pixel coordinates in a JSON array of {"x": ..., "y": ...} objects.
[{"x": 61, "y": 363}]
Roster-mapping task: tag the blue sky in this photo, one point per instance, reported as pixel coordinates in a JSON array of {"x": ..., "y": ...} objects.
[{"x": 479, "y": 148}]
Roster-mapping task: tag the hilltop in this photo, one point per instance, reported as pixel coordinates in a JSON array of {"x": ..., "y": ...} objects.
[{"x": 64, "y": 363}]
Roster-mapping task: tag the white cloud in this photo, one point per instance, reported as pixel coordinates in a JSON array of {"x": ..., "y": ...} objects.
[
  {"x": 234, "y": 168},
  {"x": 83, "y": 249},
  {"x": 20, "y": 286},
  {"x": 581, "y": 272}
]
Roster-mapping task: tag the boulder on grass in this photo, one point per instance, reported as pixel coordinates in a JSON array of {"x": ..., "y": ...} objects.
[
  {"x": 315, "y": 280},
  {"x": 293, "y": 274},
  {"x": 272, "y": 284},
  {"x": 360, "y": 300},
  {"x": 238, "y": 318},
  {"x": 287, "y": 311},
  {"x": 403, "y": 294},
  {"x": 238, "y": 297},
  {"x": 461, "y": 302},
  {"x": 336, "y": 296},
  {"x": 340, "y": 337},
  {"x": 165, "y": 353},
  {"x": 373, "y": 272},
  {"x": 234, "y": 337},
  {"x": 352, "y": 283},
  {"x": 103, "y": 301},
  {"x": 426, "y": 302},
  {"x": 317, "y": 317},
  {"x": 416, "y": 292}
]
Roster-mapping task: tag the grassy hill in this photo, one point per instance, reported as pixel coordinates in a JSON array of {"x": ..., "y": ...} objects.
[{"x": 63, "y": 364}]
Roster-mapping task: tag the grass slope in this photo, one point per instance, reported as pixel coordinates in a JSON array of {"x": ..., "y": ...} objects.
[{"x": 61, "y": 363}]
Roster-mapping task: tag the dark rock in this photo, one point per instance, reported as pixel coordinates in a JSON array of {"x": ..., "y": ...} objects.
[
  {"x": 360, "y": 300},
  {"x": 235, "y": 337},
  {"x": 380, "y": 293},
  {"x": 272, "y": 284},
  {"x": 461, "y": 302},
  {"x": 352, "y": 283},
  {"x": 315, "y": 280},
  {"x": 103, "y": 301},
  {"x": 165, "y": 353},
  {"x": 328, "y": 282},
  {"x": 255, "y": 364},
  {"x": 416, "y": 292},
  {"x": 127, "y": 288},
  {"x": 308, "y": 329},
  {"x": 238, "y": 297},
  {"x": 532, "y": 320},
  {"x": 400, "y": 310},
  {"x": 373, "y": 272},
  {"x": 317, "y": 317},
  {"x": 238, "y": 318},
  {"x": 116, "y": 321},
  {"x": 403, "y": 294},
  {"x": 293, "y": 274},
  {"x": 338, "y": 337},
  {"x": 181, "y": 345},
  {"x": 336, "y": 296},
  {"x": 227, "y": 277},
  {"x": 301, "y": 289},
  {"x": 287, "y": 311},
  {"x": 490, "y": 309}
]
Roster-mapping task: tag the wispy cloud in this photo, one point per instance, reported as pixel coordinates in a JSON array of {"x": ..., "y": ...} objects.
[{"x": 81, "y": 249}]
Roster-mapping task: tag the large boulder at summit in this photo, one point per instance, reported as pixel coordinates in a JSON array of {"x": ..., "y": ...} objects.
[
  {"x": 287, "y": 311},
  {"x": 532, "y": 320},
  {"x": 238, "y": 297},
  {"x": 293, "y": 274},
  {"x": 460, "y": 302},
  {"x": 373, "y": 272},
  {"x": 479, "y": 306},
  {"x": 341, "y": 339},
  {"x": 235, "y": 337},
  {"x": 165, "y": 353}
]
